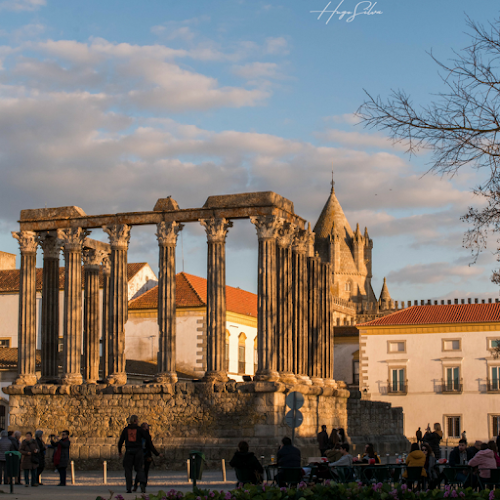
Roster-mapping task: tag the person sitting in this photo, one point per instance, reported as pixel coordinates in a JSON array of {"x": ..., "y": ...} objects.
[
  {"x": 430, "y": 466},
  {"x": 460, "y": 455},
  {"x": 370, "y": 454},
  {"x": 484, "y": 459},
  {"x": 472, "y": 450},
  {"x": 288, "y": 457},
  {"x": 334, "y": 455},
  {"x": 246, "y": 465},
  {"x": 493, "y": 447},
  {"x": 346, "y": 459},
  {"x": 416, "y": 458}
]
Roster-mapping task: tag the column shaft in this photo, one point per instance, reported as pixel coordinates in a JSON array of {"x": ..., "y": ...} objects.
[
  {"x": 51, "y": 246},
  {"x": 167, "y": 240},
  {"x": 106, "y": 270},
  {"x": 300, "y": 309},
  {"x": 267, "y": 231},
  {"x": 119, "y": 236},
  {"x": 216, "y": 230},
  {"x": 27, "y": 309},
  {"x": 313, "y": 321},
  {"x": 72, "y": 239}
]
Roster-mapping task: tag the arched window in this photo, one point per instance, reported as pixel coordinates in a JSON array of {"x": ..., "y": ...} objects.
[
  {"x": 348, "y": 286},
  {"x": 226, "y": 352},
  {"x": 255, "y": 356},
  {"x": 241, "y": 353}
]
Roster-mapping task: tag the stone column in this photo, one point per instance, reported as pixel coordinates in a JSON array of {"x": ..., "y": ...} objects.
[
  {"x": 72, "y": 241},
  {"x": 300, "y": 309},
  {"x": 313, "y": 264},
  {"x": 92, "y": 260},
  {"x": 26, "y": 367},
  {"x": 321, "y": 350},
  {"x": 267, "y": 232},
  {"x": 167, "y": 240},
  {"x": 106, "y": 272},
  {"x": 119, "y": 237},
  {"x": 216, "y": 230},
  {"x": 284, "y": 292},
  {"x": 329, "y": 337},
  {"x": 51, "y": 245}
]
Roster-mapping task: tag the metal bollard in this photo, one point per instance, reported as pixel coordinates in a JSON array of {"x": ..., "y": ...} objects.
[
  {"x": 224, "y": 471},
  {"x": 188, "y": 464},
  {"x": 105, "y": 471},
  {"x": 72, "y": 472}
]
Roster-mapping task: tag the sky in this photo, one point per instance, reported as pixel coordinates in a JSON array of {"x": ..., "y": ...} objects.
[{"x": 111, "y": 105}]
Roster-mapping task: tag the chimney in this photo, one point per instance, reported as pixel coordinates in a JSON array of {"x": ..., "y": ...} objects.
[
  {"x": 475, "y": 301},
  {"x": 463, "y": 301},
  {"x": 456, "y": 301},
  {"x": 469, "y": 301},
  {"x": 449, "y": 302}
]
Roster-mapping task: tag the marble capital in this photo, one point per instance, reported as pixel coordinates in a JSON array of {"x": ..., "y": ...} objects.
[
  {"x": 119, "y": 235},
  {"x": 216, "y": 229},
  {"x": 301, "y": 242},
  {"x": 72, "y": 238},
  {"x": 28, "y": 241},
  {"x": 106, "y": 265},
  {"x": 286, "y": 234},
  {"x": 267, "y": 226},
  {"x": 51, "y": 244},
  {"x": 167, "y": 233},
  {"x": 93, "y": 258}
]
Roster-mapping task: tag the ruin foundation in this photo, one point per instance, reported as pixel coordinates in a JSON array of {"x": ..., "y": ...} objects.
[{"x": 202, "y": 416}]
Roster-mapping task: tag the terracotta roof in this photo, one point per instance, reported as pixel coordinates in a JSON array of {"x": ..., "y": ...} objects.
[
  {"x": 345, "y": 331},
  {"x": 191, "y": 291},
  {"x": 8, "y": 357},
  {"x": 9, "y": 280},
  {"x": 452, "y": 313}
]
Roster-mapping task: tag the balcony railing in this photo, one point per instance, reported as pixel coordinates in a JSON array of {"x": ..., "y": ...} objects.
[
  {"x": 397, "y": 388},
  {"x": 493, "y": 385},
  {"x": 452, "y": 386}
]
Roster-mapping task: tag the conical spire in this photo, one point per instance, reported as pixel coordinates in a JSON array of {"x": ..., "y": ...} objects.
[
  {"x": 385, "y": 296},
  {"x": 358, "y": 232}
]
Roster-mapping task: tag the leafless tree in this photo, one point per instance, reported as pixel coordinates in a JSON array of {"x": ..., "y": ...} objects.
[{"x": 460, "y": 126}]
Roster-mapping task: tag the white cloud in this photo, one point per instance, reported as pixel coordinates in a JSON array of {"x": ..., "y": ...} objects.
[
  {"x": 22, "y": 5},
  {"x": 277, "y": 46},
  {"x": 360, "y": 140},
  {"x": 349, "y": 118},
  {"x": 433, "y": 273},
  {"x": 257, "y": 70}
]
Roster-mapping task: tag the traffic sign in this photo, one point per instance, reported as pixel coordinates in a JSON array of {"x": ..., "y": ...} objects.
[{"x": 295, "y": 400}]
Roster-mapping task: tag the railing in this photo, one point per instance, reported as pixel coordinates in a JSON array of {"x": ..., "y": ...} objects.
[
  {"x": 451, "y": 386},
  {"x": 397, "y": 388},
  {"x": 493, "y": 385}
]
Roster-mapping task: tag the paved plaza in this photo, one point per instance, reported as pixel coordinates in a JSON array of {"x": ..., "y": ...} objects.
[{"x": 89, "y": 484}]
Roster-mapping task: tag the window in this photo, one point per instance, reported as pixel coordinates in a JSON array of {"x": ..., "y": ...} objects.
[
  {"x": 493, "y": 382},
  {"x": 241, "y": 353},
  {"x": 494, "y": 343},
  {"x": 348, "y": 286},
  {"x": 60, "y": 347},
  {"x": 3, "y": 423},
  {"x": 4, "y": 343},
  {"x": 495, "y": 425},
  {"x": 452, "y": 380},
  {"x": 397, "y": 382},
  {"x": 226, "y": 352},
  {"x": 451, "y": 345},
  {"x": 453, "y": 427},
  {"x": 255, "y": 356},
  {"x": 397, "y": 346},
  {"x": 355, "y": 372}
]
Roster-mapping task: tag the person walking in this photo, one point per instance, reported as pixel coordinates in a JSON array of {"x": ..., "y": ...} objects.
[
  {"x": 61, "y": 455},
  {"x": 323, "y": 441},
  {"x": 419, "y": 436},
  {"x": 5, "y": 445},
  {"x": 148, "y": 456},
  {"x": 29, "y": 459},
  {"x": 434, "y": 438},
  {"x": 132, "y": 436},
  {"x": 41, "y": 456}
]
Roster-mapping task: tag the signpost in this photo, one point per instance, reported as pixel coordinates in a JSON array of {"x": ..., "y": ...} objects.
[{"x": 294, "y": 418}]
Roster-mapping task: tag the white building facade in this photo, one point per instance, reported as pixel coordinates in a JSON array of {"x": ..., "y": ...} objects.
[{"x": 440, "y": 364}]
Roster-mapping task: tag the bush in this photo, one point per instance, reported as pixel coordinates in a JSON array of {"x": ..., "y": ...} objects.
[{"x": 326, "y": 491}]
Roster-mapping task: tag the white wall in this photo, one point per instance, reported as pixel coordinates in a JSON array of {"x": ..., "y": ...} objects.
[
  {"x": 425, "y": 361},
  {"x": 143, "y": 281},
  {"x": 342, "y": 364}
]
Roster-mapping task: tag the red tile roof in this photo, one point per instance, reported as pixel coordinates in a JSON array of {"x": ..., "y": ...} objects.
[
  {"x": 9, "y": 280},
  {"x": 8, "y": 357},
  {"x": 191, "y": 291},
  {"x": 452, "y": 313}
]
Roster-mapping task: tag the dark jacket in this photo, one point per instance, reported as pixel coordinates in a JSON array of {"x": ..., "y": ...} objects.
[
  {"x": 433, "y": 438},
  {"x": 248, "y": 464},
  {"x": 133, "y": 437},
  {"x": 5, "y": 445},
  {"x": 41, "y": 452},
  {"x": 61, "y": 453},
  {"x": 289, "y": 456},
  {"x": 148, "y": 447},
  {"x": 15, "y": 443},
  {"x": 419, "y": 435},
  {"x": 472, "y": 450},
  {"x": 28, "y": 446},
  {"x": 455, "y": 456},
  {"x": 498, "y": 442},
  {"x": 323, "y": 440}
]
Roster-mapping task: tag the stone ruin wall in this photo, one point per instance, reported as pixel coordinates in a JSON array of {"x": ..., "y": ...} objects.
[{"x": 186, "y": 416}]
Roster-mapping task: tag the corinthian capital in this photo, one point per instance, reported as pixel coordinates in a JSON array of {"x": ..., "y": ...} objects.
[
  {"x": 301, "y": 241},
  {"x": 286, "y": 233},
  {"x": 27, "y": 241},
  {"x": 93, "y": 258},
  {"x": 106, "y": 265},
  {"x": 167, "y": 233},
  {"x": 51, "y": 244},
  {"x": 72, "y": 238},
  {"x": 267, "y": 226},
  {"x": 119, "y": 235},
  {"x": 216, "y": 229}
]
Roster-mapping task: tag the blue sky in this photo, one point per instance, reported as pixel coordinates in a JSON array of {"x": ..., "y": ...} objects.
[{"x": 111, "y": 105}]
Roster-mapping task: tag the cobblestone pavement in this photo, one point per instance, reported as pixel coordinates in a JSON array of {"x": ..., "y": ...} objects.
[{"x": 89, "y": 484}]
